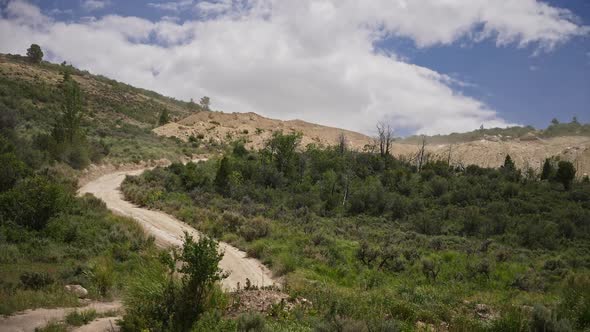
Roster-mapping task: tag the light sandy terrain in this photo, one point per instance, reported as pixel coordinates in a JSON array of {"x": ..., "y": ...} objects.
[
  {"x": 489, "y": 151},
  {"x": 255, "y": 130},
  {"x": 169, "y": 231},
  {"x": 525, "y": 153},
  {"x": 30, "y": 319}
]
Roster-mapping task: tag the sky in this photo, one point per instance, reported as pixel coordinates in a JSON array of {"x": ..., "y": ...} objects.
[{"x": 423, "y": 66}]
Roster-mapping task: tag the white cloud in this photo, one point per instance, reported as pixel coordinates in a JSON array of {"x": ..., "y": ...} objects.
[
  {"x": 308, "y": 59},
  {"x": 173, "y": 6},
  {"x": 91, "y": 5}
]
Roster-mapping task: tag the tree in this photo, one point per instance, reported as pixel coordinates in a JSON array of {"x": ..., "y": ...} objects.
[
  {"x": 199, "y": 272},
  {"x": 164, "y": 117},
  {"x": 421, "y": 157},
  {"x": 565, "y": 174},
  {"x": 385, "y": 137},
  {"x": 71, "y": 111},
  {"x": 548, "y": 170},
  {"x": 554, "y": 121},
  {"x": 222, "y": 176},
  {"x": 282, "y": 150},
  {"x": 205, "y": 102},
  {"x": 509, "y": 164},
  {"x": 342, "y": 144},
  {"x": 34, "y": 53},
  {"x": 191, "y": 105},
  {"x": 575, "y": 120},
  {"x": 158, "y": 301}
]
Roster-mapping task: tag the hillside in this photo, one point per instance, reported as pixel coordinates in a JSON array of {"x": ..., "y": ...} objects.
[
  {"x": 124, "y": 120},
  {"x": 255, "y": 129},
  {"x": 487, "y": 148},
  {"x": 116, "y": 116},
  {"x": 490, "y": 152}
]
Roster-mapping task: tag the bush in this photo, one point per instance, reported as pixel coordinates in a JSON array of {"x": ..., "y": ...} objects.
[
  {"x": 35, "y": 280},
  {"x": 544, "y": 320},
  {"x": 575, "y": 303},
  {"x": 255, "y": 228},
  {"x": 158, "y": 301},
  {"x": 79, "y": 318},
  {"x": 33, "y": 201},
  {"x": 251, "y": 322}
]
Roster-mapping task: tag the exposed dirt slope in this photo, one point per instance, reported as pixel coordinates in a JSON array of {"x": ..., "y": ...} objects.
[
  {"x": 490, "y": 151},
  {"x": 256, "y": 129},
  {"x": 526, "y": 153},
  {"x": 169, "y": 231}
]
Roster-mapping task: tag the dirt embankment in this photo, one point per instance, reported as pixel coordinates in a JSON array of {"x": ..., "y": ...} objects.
[{"x": 255, "y": 130}]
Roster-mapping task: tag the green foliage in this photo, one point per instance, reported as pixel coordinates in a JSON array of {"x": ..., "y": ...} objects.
[
  {"x": 33, "y": 202},
  {"x": 251, "y": 322},
  {"x": 79, "y": 318},
  {"x": 35, "y": 54},
  {"x": 566, "y": 173},
  {"x": 222, "y": 176},
  {"x": 371, "y": 239},
  {"x": 35, "y": 280},
  {"x": 164, "y": 117},
  {"x": 204, "y": 103},
  {"x": 548, "y": 171},
  {"x": 53, "y": 326},
  {"x": 280, "y": 150},
  {"x": 158, "y": 301},
  {"x": 12, "y": 169}
]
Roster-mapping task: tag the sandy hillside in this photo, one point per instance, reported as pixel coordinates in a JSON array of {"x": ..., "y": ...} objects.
[
  {"x": 490, "y": 151},
  {"x": 525, "y": 153},
  {"x": 255, "y": 129}
]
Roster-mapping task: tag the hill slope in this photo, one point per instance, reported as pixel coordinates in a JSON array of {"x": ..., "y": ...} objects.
[
  {"x": 124, "y": 119},
  {"x": 119, "y": 116},
  {"x": 255, "y": 129}
]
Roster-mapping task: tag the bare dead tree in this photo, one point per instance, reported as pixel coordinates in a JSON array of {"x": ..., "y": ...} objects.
[
  {"x": 385, "y": 138},
  {"x": 342, "y": 144},
  {"x": 421, "y": 154},
  {"x": 449, "y": 156}
]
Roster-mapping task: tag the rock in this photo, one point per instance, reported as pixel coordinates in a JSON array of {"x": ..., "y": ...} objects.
[
  {"x": 78, "y": 290},
  {"x": 491, "y": 138},
  {"x": 484, "y": 312},
  {"x": 529, "y": 137}
]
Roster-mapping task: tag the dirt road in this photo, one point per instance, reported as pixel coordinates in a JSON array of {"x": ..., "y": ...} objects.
[
  {"x": 168, "y": 231},
  {"x": 29, "y": 320}
]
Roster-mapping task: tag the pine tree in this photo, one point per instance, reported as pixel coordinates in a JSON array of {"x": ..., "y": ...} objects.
[
  {"x": 222, "y": 176},
  {"x": 565, "y": 174},
  {"x": 509, "y": 164},
  {"x": 548, "y": 170}
]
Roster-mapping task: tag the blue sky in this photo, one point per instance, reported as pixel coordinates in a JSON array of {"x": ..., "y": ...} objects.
[
  {"x": 428, "y": 73},
  {"x": 523, "y": 87}
]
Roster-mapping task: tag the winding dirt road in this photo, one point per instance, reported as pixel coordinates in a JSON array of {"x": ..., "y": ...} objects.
[{"x": 169, "y": 231}]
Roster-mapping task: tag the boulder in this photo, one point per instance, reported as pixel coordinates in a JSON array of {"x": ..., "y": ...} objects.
[{"x": 78, "y": 290}]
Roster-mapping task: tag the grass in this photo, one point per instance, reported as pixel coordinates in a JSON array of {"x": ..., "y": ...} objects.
[
  {"x": 17, "y": 300},
  {"x": 53, "y": 326},
  {"x": 79, "y": 318}
]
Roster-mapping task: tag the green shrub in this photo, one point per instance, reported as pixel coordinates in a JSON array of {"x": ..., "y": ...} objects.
[
  {"x": 254, "y": 228},
  {"x": 79, "y": 318},
  {"x": 251, "y": 322},
  {"x": 35, "y": 280}
]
